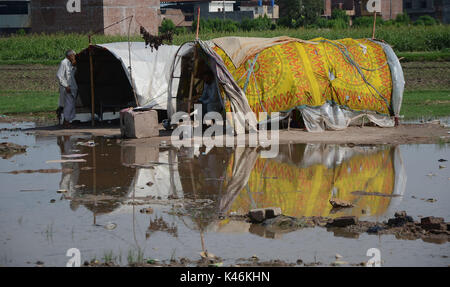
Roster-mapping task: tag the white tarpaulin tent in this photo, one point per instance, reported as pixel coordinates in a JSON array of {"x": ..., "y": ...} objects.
[{"x": 150, "y": 70}]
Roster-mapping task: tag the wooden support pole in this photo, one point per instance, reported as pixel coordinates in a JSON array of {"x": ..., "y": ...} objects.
[
  {"x": 194, "y": 70},
  {"x": 91, "y": 69},
  {"x": 374, "y": 24}
]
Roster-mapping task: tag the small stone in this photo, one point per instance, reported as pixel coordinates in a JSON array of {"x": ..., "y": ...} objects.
[
  {"x": 400, "y": 214},
  {"x": 61, "y": 191},
  {"x": 431, "y": 200},
  {"x": 338, "y": 256},
  {"x": 52, "y": 201},
  {"x": 442, "y": 166}
]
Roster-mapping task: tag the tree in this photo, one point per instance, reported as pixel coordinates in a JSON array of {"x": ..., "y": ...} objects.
[{"x": 295, "y": 13}]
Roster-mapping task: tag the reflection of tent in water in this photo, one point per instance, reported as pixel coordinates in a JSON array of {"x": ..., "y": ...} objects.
[
  {"x": 301, "y": 180},
  {"x": 111, "y": 182},
  {"x": 331, "y": 83},
  {"x": 112, "y": 81}
]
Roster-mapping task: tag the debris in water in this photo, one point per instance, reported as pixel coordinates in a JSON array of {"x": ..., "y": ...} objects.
[
  {"x": 74, "y": 155},
  {"x": 34, "y": 171},
  {"x": 442, "y": 166},
  {"x": 147, "y": 210},
  {"x": 343, "y": 221},
  {"x": 8, "y": 150},
  {"x": 88, "y": 143},
  {"x": 39, "y": 189},
  {"x": 65, "y": 160},
  {"x": 110, "y": 226},
  {"x": 364, "y": 193},
  {"x": 206, "y": 255},
  {"x": 86, "y": 168},
  {"x": 441, "y": 160}
]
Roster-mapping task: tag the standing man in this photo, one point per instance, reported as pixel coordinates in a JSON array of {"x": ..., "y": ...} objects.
[
  {"x": 210, "y": 99},
  {"x": 67, "y": 87}
]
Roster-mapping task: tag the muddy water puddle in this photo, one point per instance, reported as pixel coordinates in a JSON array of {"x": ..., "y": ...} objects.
[{"x": 127, "y": 202}]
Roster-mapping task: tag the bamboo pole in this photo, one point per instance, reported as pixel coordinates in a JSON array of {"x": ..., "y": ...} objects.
[
  {"x": 91, "y": 69},
  {"x": 374, "y": 24},
  {"x": 194, "y": 71}
]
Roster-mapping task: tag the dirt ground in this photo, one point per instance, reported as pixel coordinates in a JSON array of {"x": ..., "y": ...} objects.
[
  {"x": 403, "y": 134},
  {"x": 418, "y": 76}
]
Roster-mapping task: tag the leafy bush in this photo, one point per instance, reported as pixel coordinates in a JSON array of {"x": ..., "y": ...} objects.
[
  {"x": 167, "y": 26},
  {"x": 363, "y": 21},
  {"x": 403, "y": 18},
  {"x": 258, "y": 24},
  {"x": 426, "y": 20}
]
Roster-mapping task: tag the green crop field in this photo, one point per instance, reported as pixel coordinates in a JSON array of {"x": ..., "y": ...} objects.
[{"x": 49, "y": 49}]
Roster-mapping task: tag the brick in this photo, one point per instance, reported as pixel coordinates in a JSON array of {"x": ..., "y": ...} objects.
[
  {"x": 139, "y": 124},
  {"x": 272, "y": 212},
  {"x": 261, "y": 214},
  {"x": 257, "y": 215}
]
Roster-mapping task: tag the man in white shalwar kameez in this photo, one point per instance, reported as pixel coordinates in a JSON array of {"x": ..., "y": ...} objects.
[{"x": 67, "y": 87}]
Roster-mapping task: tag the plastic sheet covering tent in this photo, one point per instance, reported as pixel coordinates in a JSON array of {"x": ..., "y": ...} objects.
[
  {"x": 150, "y": 70},
  {"x": 332, "y": 83}
]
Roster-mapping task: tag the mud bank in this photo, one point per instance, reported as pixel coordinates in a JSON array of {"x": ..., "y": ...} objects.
[{"x": 403, "y": 134}]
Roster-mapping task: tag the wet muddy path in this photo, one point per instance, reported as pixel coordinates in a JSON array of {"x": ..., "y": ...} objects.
[{"x": 123, "y": 202}]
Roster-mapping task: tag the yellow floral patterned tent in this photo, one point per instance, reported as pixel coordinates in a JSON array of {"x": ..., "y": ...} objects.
[{"x": 297, "y": 74}]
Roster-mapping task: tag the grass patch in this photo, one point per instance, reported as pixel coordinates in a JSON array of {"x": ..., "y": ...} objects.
[
  {"x": 20, "y": 102},
  {"x": 432, "y": 103},
  {"x": 426, "y": 104},
  {"x": 435, "y": 56}
]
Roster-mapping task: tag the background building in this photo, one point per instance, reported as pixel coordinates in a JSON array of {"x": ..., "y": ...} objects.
[
  {"x": 389, "y": 8},
  {"x": 439, "y": 9},
  {"x": 14, "y": 16},
  {"x": 51, "y": 16}
]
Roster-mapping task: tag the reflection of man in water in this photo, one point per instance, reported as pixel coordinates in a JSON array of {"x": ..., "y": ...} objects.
[
  {"x": 210, "y": 99},
  {"x": 70, "y": 170}
]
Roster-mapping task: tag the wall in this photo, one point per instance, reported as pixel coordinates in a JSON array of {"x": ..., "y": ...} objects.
[
  {"x": 145, "y": 13},
  {"x": 51, "y": 16}
]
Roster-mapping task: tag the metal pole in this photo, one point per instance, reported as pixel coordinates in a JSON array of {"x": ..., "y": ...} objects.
[{"x": 91, "y": 66}]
